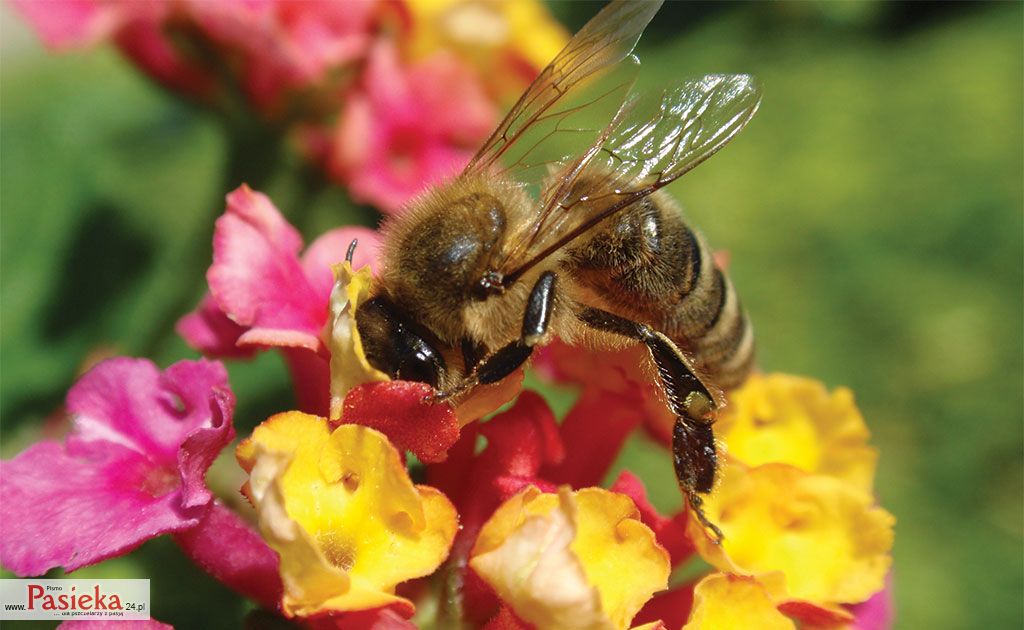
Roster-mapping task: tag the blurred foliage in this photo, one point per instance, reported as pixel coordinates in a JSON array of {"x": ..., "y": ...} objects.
[{"x": 872, "y": 209}]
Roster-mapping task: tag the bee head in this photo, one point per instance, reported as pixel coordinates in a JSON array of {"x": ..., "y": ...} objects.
[
  {"x": 397, "y": 345},
  {"x": 451, "y": 248}
]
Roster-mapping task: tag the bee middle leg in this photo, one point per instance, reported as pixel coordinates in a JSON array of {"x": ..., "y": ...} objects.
[
  {"x": 510, "y": 357},
  {"x": 693, "y": 442}
]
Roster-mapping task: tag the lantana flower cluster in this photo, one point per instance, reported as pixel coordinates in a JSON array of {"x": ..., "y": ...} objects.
[
  {"x": 388, "y": 96},
  {"x": 367, "y": 506},
  {"x": 508, "y": 523}
]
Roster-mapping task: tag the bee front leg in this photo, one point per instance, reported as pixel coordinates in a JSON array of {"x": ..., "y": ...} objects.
[
  {"x": 510, "y": 357},
  {"x": 693, "y": 442}
]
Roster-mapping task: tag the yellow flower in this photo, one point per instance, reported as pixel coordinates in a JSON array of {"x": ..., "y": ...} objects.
[
  {"x": 794, "y": 420},
  {"x": 503, "y": 38},
  {"x": 572, "y": 560},
  {"x": 731, "y": 602},
  {"x": 340, "y": 510},
  {"x": 828, "y": 539},
  {"x": 349, "y": 365}
]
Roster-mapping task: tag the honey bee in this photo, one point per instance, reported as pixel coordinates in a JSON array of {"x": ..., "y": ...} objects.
[{"x": 529, "y": 243}]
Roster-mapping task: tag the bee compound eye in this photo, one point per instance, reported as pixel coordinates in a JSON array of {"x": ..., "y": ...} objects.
[{"x": 420, "y": 366}]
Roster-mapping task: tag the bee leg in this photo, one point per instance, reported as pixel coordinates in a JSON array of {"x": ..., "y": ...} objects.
[
  {"x": 535, "y": 324},
  {"x": 510, "y": 357},
  {"x": 693, "y": 442},
  {"x": 473, "y": 353}
]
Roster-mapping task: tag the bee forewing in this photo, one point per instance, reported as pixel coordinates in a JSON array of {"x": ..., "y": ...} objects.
[
  {"x": 661, "y": 136},
  {"x": 654, "y": 139},
  {"x": 600, "y": 46}
]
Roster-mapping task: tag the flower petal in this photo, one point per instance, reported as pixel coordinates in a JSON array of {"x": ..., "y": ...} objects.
[
  {"x": 202, "y": 446},
  {"x": 341, "y": 511},
  {"x": 619, "y": 553},
  {"x": 520, "y": 441},
  {"x": 420, "y": 521},
  {"x": 670, "y": 532},
  {"x": 524, "y": 553},
  {"x": 311, "y": 376},
  {"x": 794, "y": 420},
  {"x": 282, "y": 47},
  {"x": 489, "y": 398},
  {"x": 508, "y": 42},
  {"x": 329, "y": 249},
  {"x": 406, "y": 127},
  {"x": 210, "y": 331},
  {"x": 71, "y": 23},
  {"x": 877, "y": 612},
  {"x": 388, "y": 618},
  {"x": 63, "y": 510},
  {"x": 349, "y": 365},
  {"x": 617, "y": 414},
  {"x": 256, "y": 277},
  {"x": 724, "y": 602},
  {"x": 396, "y": 408},
  {"x": 580, "y": 560},
  {"x": 224, "y": 546},
  {"x": 671, "y": 607},
  {"x": 505, "y": 619},
  {"x": 147, "y": 44},
  {"x": 132, "y": 468},
  {"x": 827, "y": 537},
  {"x": 129, "y": 402},
  {"x": 309, "y": 578}
]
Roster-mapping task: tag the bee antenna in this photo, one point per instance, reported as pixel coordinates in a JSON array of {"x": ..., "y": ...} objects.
[{"x": 351, "y": 250}]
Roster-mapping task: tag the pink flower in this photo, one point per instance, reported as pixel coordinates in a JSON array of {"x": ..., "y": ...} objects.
[
  {"x": 405, "y": 128},
  {"x": 227, "y": 548},
  {"x": 274, "y": 46},
  {"x": 282, "y": 45},
  {"x": 132, "y": 468},
  {"x": 877, "y": 612},
  {"x": 146, "y": 43},
  {"x": 75, "y": 23},
  {"x": 263, "y": 295},
  {"x": 136, "y": 27},
  {"x": 207, "y": 329}
]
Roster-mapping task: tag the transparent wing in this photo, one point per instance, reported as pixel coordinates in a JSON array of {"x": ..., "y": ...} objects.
[
  {"x": 651, "y": 141},
  {"x": 587, "y": 81}
]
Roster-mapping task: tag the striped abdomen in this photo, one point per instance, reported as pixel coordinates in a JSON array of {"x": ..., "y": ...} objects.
[{"x": 646, "y": 264}]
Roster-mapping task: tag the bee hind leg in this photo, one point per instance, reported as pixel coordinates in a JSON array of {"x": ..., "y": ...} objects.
[
  {"x": 510, "y": 357},
  {"x": 693, "y": 442}
]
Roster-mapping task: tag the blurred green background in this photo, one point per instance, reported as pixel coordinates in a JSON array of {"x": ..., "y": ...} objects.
[{"x": 873, "y": 210}]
